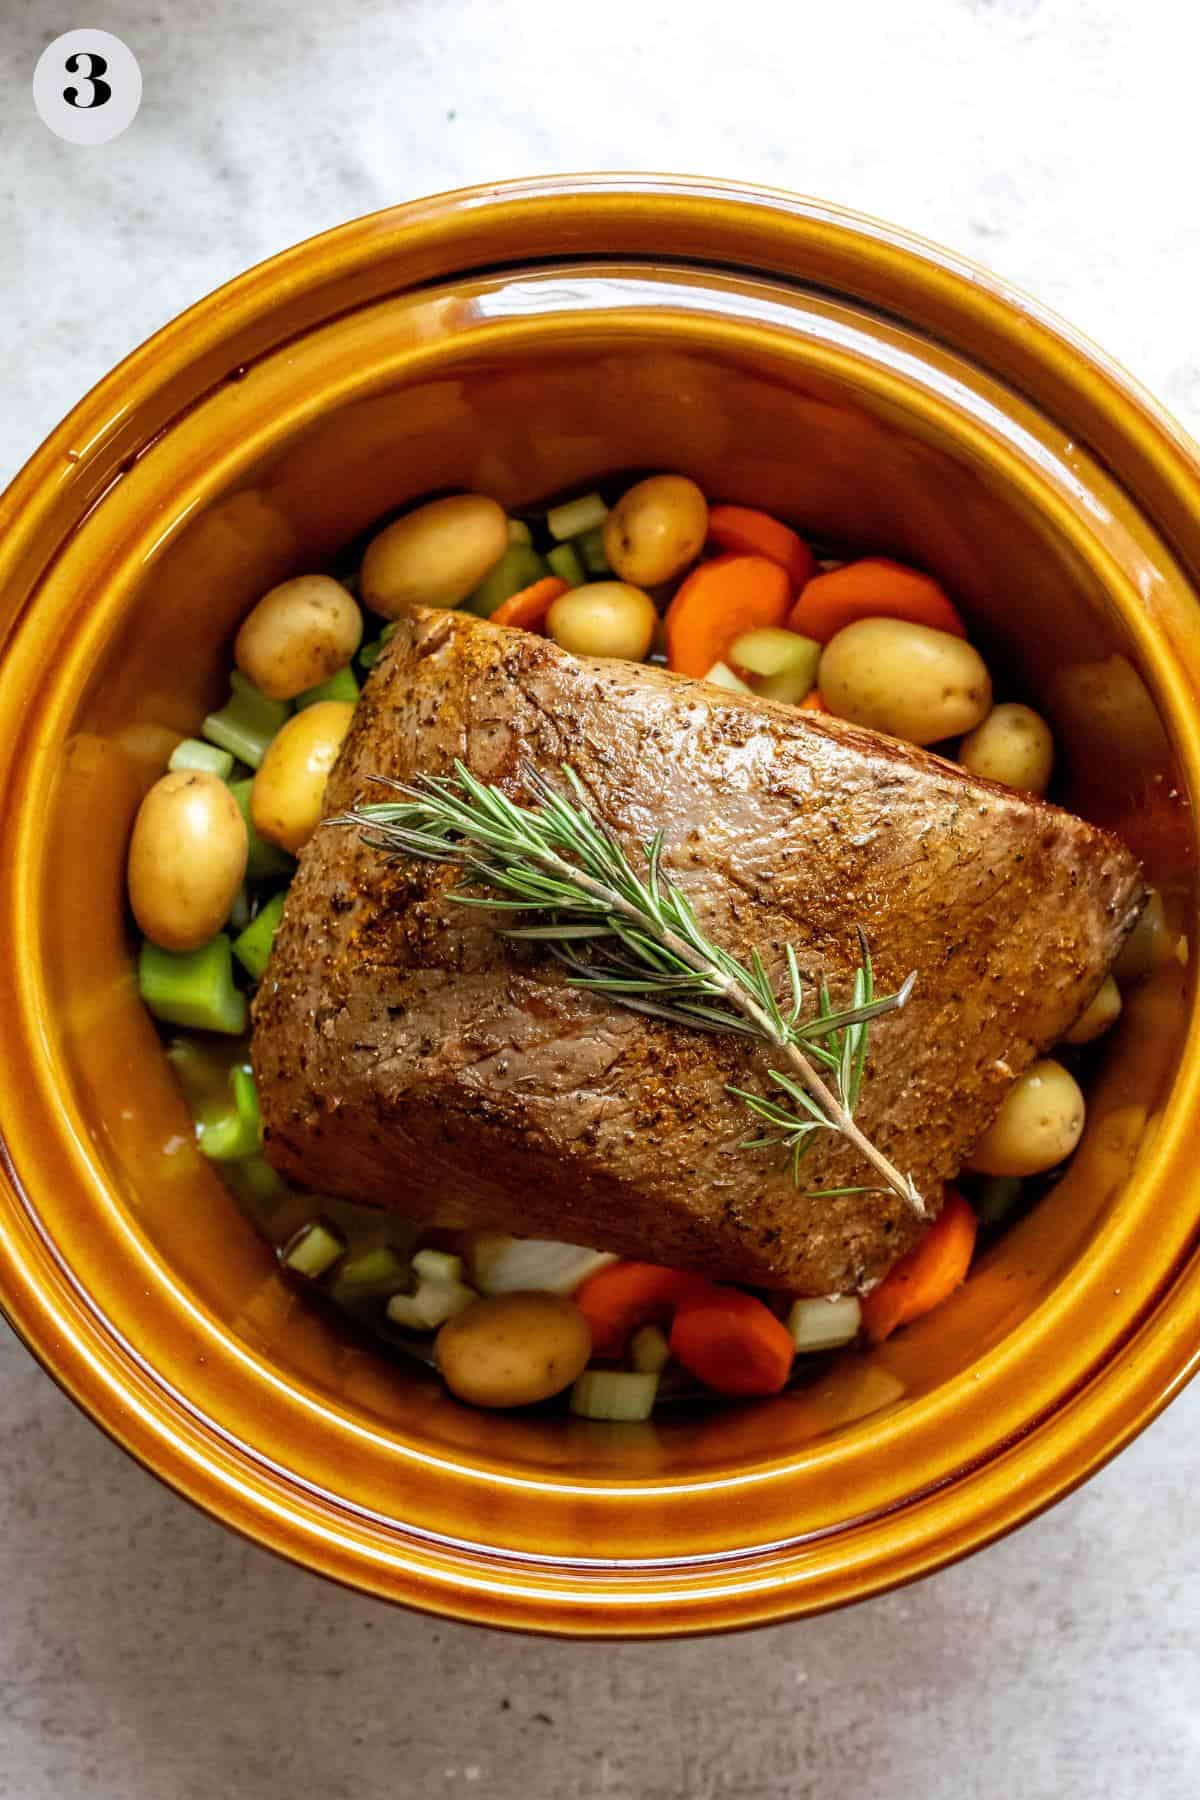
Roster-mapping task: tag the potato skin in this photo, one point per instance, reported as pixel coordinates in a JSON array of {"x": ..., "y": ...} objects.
[
  {"x": 513, "y": 1349},
  {"x": 289, "y": 788},
  {"x": 298, "y": 635},
  {"x": 1013, "y": 746},
  {"x": 434, "y": 556},
  {"x": 656, "y": 529},
  {"x": 187, "y": 859},
  {"x": 1038, "y": 1126},
  {"x": 604, "y": 618},
  {"x": 1099, "y": 1017},
  {"x": 908, "y": 680}
]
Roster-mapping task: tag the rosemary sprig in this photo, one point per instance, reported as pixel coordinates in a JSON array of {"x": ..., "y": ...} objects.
[{"x": 636, "y": 938}]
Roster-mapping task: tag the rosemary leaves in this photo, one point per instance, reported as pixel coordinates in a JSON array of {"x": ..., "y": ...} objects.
[{"x": 635, "y": 938}]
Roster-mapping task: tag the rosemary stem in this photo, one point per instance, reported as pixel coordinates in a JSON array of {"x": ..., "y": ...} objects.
[{"x": 737, "y": 997}]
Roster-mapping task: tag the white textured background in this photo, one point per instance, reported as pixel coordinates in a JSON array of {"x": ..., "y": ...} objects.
[{"x": 146, "y": 1655}]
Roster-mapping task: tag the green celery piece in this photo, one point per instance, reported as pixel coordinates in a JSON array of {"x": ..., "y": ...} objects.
[
  {"x": 193, "y": 987},
  {"x": 370, "y": 653},
  {"x": 313, "y": 1251},
  {"x": 564, "y": 562},
  {"x": 574, "y": 517},
  {"x": 193, "y": 753},
  {"x": 379, "y": 1271},
  {"x": 519, "y": 532},
  {"x": 245, "y": 1098},
  {"x": 518, "y": 568},
  {"x": 253, "y": 946},
  {"x": 247, "y": 722},
  {"x": 264, "y": 861},
  {"x": 228, "y": 1138},
  {"x": 239, "y": 912},
  {"x": 341, "y": 686},
  {"x": 589, "y": 547}
]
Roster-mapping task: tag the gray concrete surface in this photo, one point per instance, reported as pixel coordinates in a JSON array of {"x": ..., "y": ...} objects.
[{"x": 144, "y": 1653}]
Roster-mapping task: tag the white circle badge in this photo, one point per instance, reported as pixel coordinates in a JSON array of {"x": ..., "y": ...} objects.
[{"x": 87, "y": 87}]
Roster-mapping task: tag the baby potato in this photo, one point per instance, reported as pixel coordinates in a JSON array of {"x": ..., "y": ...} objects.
[
  {"x": 1039, "y": 1124},
  {"x": 299, "y": 634},
  {"x": 1149, "y": 945},
  {"x": 434, "y": 556},
  {"x": 604, "y": 618},
  {"x": 513, "y": 1349},
  {"x": 1103, "y": 1012},
  {"x": 909, "y": 680},
  {"x": 656, "y": 529},
  {"x": 1013, "y": 746},
  {"x": 187, "y": 859},
  {"x": 289, "y": 788}
]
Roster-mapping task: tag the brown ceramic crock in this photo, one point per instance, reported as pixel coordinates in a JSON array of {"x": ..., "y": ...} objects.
[{"x": 523, "y": 340}]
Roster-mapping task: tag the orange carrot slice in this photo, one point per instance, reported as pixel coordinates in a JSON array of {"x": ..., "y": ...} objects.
[
  {"x": 527, "y": 610},
  {"x": 626, "y": 1295},
  {"x": 717, "y": 602},
  {"x": 813, "y": 702},
  {"x": 874, "y": 588},
  {"x": 758, "y": 534},
  {"x": 929, "y": 1273},
  {"x": 732, "y": 1342}
]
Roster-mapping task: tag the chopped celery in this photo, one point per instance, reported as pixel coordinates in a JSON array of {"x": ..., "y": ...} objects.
[
  {"x": 370, "y": 653},
  {"x": 437, "y": 1265},
  {"x": 649, "y": 1351},
  {"x": 379, "y": 1271},
  {"x": 239, "y": 912},
  {"x": 770, "y": 650},
  {"x": 252, "y": 947},
  {"x": 722, "y": 676},
  {"x": 564, "y": 562},
  {"x": 263, "y": 860},
  {"x": 996, "y": 1197},
  {"x": 245, "y": 1097},
  {"x": 519, "y": 532},
  {"x": 228, "y": 1137},
  {"x": 341, "y": 686},
  {"x": 193, "y": 987},
  {"x": 433, "y": 1303},
  {"x": 574, "y": 517},
  {"x": 192, "y": 753},
  {"x": 614, "y": 1394},
  {"x": 824, "y": 1324},
  {"x": 518, "y": 568},
  {"x": 313, "y": 1251},
  {"x": 247, "y": 722},
  {"x": 259, "y": 1187},
  {"x": 589, "y": 547}
]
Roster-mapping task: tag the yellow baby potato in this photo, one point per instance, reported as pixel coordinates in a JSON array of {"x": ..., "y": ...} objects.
[
  {"x": 187, "y": 859},
  {"x": 514, "y": 1349},
  {"x": 289, "y": 789},
  {"x": 298, "y": 635},
  {"x": 434, "y": 556}
]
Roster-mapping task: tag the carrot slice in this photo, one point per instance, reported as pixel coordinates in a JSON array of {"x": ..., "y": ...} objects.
[
  {"x": 925, "y": 1277},
  {"x": 758, "y": 534},
  {"x": 732, "y": 1343},
  {"x": 875, "y": 588},
  {"x": 718, "y": 601},
  {"x": 528, "y": 609},
  {"x": 617, "y": 1300},
  {"x": 813, "y": 702}
]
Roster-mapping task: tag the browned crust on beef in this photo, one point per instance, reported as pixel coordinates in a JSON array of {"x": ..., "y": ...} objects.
[{"x": 408, "y": 1055}]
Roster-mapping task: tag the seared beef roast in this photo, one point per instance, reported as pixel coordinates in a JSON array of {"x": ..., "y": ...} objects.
[{"x": 409, "y": 1055}]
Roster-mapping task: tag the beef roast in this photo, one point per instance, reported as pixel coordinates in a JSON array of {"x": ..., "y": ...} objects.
[{"x": 410, "y": 1056}]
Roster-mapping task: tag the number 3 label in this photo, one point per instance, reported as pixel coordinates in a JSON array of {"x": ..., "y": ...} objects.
[
  {"x": 87, "y": 87},
  {"x": 99, "y": 92}
]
